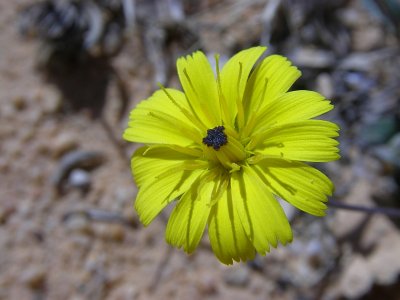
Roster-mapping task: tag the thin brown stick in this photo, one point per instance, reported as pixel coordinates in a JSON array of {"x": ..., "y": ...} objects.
[{"x": 388, "y": 211}]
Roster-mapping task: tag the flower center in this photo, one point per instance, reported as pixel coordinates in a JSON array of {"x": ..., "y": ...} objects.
[
  {"x": 231, "y": 155},
  {"x": 216, "y": 137}
]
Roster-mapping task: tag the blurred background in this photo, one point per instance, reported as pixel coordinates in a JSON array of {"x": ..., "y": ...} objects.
[{"x": 70, "y": 72}]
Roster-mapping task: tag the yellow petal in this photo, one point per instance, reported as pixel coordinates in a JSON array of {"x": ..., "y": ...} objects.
[
  {"x": 199, "y": 83},
  {"x": 310, "y": 140},
  {"x": 189, "y": 217},
  {"x": 227, "y": 237},
  {"x": 149, "y": 162},
  {"x": 260, "y": 213},
  {"x": 292, "y": 107},
  {"x": 162, "y": 175},
  {"x": 158, "y": 120},
  {"x": 234, "y": 76},
  {"x": 273, "y": 77},
  {"x": 301, "y": 185}
]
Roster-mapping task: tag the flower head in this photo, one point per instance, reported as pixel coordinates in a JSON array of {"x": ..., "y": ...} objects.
[{"x": 225, "y": 148}]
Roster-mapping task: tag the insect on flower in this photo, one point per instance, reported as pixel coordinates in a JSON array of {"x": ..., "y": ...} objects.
[{"x": 225, "y": 147}]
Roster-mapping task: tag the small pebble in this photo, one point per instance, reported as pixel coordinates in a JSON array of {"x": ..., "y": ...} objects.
[
  {"x": 356, "y": 279},
  {"x": 313, "y": 247},
  {"x": 73, "y": 161},
  {"x": 27, "y": 135},
  {"x": 79, "y": 178},
  {"x": 6, "y": 210},
  {"x": 257, "y": 264},
  {"x": 131, "y": 216},
  {"x": 36, "y": 175},
  {"x": 32, "y": 117},
  {"x": 312, "y": 58},
  {"x": 207, "y": 285},
  {"x": 367, "y": 38},
  {"x": 64, "y": 143},
  {"x": 237, "y": 277},
  {"x": 290, "y": 210},
  {"x": 49, "y": 100},
  {"x": 78, "y": 223},
  {"x": 34, "y": 277},
  {"x": 4, "y": 165},
  {"x": 124, "y": 292},
  {"x": 110, "y": 232},
  {"x": 325, "y": 85},
  {"x": 19, "y": 103}
]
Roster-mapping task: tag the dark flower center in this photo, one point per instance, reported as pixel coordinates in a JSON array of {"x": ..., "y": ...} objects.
[{"x": 216, "y": 137}]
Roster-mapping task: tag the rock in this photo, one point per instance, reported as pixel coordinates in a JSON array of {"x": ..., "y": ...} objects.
[
  {"x": 124, "y": 292},
  {"x": 356, "y": 280},
  {"x": 386, "y": 191},
  {"x": 123, "y": 197},
  {"x": 358, "y": 81},
  {"x": 390, "y": 152},
  {"x": 75, "y": 160},
  {"x": 381, "y": 243},
  {"x": 78, "y": 223},
  {"x": 50, "y": 129},
  {"x": 325, "y": 85},
  {"x": 14, "y": 149},
  {"x": 79, "y": 178},
  {"x": 384, "y": 261},
  {"x": 110, "y": 232},
  {"x": 312, "y": 58},
  {"x": 63, "y": 143},
  {"x": 352, "y": 17},
  {"x": 19, "y": 103},
  {"x": 364, "y": 61},
  {"x": 130, "y": 215},
  {"x": 257, "y": 264},
  {"x": 367, "y": 38},
  {"x": 27, "y": 135},
  {"x": 4, "y": 165},
  {"x": 310, "y": 260},
  {"x": 379, "y": 131},
  {"x": 347, "y": 222},
  {"x": 375, "y": 231},
  {"x": 237, "y": 277},
  {"x": 35, "y": 173},
  {"x": 207, "y": 285},
  {"x": 49, "y": 100},
  {"x": 6, "y": 210},
  {"x": 290, "y": 210},
  {"x": 34, "y": 277},
  {"x": 32, "y": 117}
]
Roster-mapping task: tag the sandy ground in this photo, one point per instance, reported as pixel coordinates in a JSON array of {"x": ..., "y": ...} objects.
[{"x": 58, "y": 244}]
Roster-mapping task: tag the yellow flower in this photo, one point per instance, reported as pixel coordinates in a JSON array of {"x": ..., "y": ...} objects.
[{"x": 225, "y": 148}]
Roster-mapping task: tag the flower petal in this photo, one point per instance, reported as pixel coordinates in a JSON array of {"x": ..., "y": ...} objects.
[
  {"x": 227, "y": 236},
  {"x": 310, "y": 140},
  {"x": 286, "y": 109},
  {"x": 189, "y": 218},
  {"x": 200, "y": 86},
  {"x": 158, "y": 120},
  {"x": 273, "y": 77},
  {"x": 260, "y": 213},
  {"x": 162, "y": 175},
  {"x": 234, "y": 76},
  {"x": 301, "y": 185}
]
